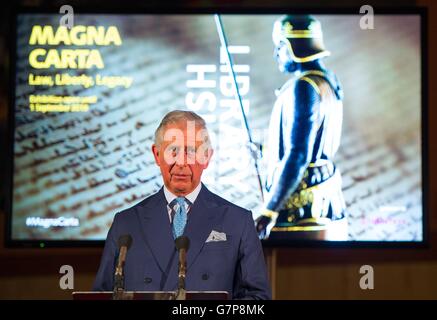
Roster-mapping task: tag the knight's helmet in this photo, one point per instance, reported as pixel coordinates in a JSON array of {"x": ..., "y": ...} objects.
[{"x": 303, "y": 35}]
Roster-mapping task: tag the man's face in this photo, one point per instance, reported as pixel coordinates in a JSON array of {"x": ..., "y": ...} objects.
[
  {"x": 283, "y": 58},
  {"x": 182, "y": 156}
]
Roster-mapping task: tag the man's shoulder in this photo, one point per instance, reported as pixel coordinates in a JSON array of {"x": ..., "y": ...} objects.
[
  {"x": 219, "y": 201},
  {"x": 129, "y": 213}
]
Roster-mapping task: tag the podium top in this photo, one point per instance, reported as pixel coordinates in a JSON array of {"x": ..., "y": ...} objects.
[{"x": 151, "y": 295}]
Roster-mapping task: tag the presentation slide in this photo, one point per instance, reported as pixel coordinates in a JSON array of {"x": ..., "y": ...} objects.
[{"x": 89, "y": 98}]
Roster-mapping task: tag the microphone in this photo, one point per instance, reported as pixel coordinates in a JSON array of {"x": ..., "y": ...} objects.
[
  {"x": 182, "y": 244},
  {"x": 124, "y": 243}
]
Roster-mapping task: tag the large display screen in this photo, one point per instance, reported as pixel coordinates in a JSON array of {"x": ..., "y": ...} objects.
[{"x": 89, "y": 98}]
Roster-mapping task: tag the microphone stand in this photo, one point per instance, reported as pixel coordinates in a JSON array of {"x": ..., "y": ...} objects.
[
  {"x": 118, "y": 293},
  {"x": 182, "y": 244},
  {"x": 181, "y": 292},
  {"x": 125, "y": 242}
]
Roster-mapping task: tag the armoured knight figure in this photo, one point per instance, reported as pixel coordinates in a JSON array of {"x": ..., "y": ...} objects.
[{"x": 304, "y": 197}]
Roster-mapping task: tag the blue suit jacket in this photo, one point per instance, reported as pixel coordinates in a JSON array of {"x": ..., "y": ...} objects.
[{"x": 235, "y": 265}]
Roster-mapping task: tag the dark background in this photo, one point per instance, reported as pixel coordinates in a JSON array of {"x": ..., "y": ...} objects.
[{"x": 296, "y": 273}]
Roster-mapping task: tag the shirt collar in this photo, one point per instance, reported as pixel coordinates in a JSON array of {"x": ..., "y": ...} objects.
[{"x": 191, "y": 196}]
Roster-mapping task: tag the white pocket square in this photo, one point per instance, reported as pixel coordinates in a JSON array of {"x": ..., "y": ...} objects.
[{"x": 216, "y": 236}]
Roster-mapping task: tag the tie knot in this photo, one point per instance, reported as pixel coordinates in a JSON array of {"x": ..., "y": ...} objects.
[
  {"x": 181, "y": 200},
  {"x": 177, "y": 201}
]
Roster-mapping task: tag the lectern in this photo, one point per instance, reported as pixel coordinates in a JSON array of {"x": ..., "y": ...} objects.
[{"x": 150, "y": 295}]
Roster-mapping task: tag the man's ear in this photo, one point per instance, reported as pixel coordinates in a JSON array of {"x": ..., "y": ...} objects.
[
  {"x": 155, "y": 151},
  {"x": 210, "y": 152}
]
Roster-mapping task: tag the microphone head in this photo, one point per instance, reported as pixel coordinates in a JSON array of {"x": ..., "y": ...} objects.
[
  {"x": 125, "y": 241},
  {"x": 182, "y": 242}
]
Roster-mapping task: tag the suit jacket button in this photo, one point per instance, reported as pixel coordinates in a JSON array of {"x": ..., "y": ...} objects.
[
  {"x": 147, "y": 280},
  {"x": 205, "y": 276}
]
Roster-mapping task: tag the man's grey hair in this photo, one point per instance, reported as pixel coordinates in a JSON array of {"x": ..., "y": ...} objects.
[{"x": 177, "y": 116}]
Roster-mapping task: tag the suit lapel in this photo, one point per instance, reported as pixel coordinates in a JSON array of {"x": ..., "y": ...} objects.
[
  {"x": 157, "y": 230},
  {"x": 200, "y": 223}
]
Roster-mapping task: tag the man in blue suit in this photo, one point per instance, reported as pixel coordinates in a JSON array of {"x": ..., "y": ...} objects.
[{"x": 225, "y": 253}]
